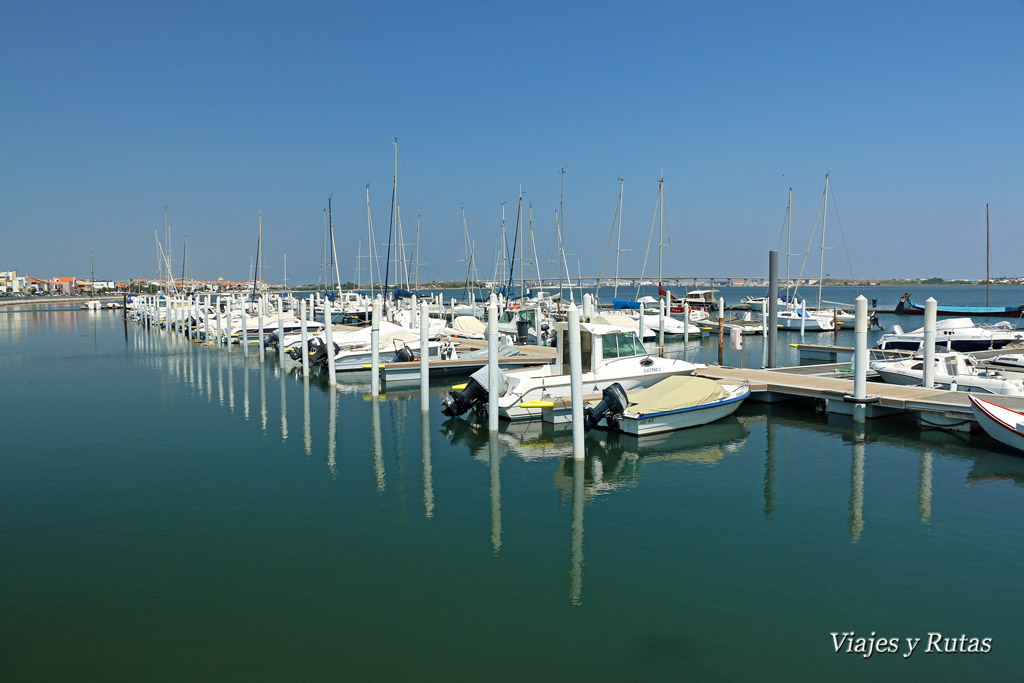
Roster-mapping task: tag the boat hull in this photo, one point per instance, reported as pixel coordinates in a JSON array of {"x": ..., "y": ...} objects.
[
  {"x": 1002, "y": 424},
  {"x": 908, "y": 307},
  {"x": 685, "y": 418},
  {"x": 559, "y": 386}
]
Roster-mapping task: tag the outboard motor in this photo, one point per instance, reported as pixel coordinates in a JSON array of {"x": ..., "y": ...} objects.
[
  {"x": 405, "y": 355},
  {"x": 613, "y": 402},
  {"x": 319, "y": 357},
  {"x": 523, "y": 331},
  {"x": 295, "y": 353},
  {"x": 458, "y": 402},
  {"x": 270, "y": 342},
  {"x": 475, "y": 394}
]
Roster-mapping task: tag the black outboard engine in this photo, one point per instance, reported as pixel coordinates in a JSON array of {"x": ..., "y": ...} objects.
[
  {"x": 458, "y": 402},
  {"x": 405, "y": 355},
  {"x": 320, "y": 356},
  {"x": 295, "y": 353},
  {"x": 523, "y": 331},
  {"x": 613, "y": 402}
]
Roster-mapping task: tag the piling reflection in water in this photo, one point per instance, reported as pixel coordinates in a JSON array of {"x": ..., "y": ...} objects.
[
  {"x": 245, "y": 385},
  {"x": 856, "y": 522},
  {"x": 769, "y": 471},
  {"x": 924, "y": 492},
  {"x": 576, "y": 535},
  {"x": 332, "y": 431},
  {"x": 428, "y": 477},
  {"x": 231, "y": 384},
  {"x": 495, "y": 451},
  {"x": 261, "y": 369},
  {"x": 307, "y": 433},
  {"x": 284, "y": 407},
  {"x": 378, "y": 455}
]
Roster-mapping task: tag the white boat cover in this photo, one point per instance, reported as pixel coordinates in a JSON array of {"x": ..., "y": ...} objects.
[
  {"x": 675, "y": 393},
  {"x": 389, "y": 333},
  {"x": 468, "y": 325},
  {"x": 616, "y": 319}
]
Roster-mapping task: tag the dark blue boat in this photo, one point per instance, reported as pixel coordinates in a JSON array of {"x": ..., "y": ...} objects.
[{"x": 906, "y": 306}]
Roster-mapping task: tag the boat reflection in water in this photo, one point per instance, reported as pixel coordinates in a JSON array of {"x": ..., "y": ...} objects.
[{"x": 612, "y": 462}]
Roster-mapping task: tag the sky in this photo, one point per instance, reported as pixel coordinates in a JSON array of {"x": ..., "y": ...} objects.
[{"x": 219, "y": 111}]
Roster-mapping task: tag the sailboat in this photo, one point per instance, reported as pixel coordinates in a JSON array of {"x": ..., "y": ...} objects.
[{"x": 796, "y": 316}]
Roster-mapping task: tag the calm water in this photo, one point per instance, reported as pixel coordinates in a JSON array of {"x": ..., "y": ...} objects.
[{"x": 177, "y": 512}]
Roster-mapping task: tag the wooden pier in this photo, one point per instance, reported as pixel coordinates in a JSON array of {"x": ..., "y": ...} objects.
[{"x": 832, "y": 387}]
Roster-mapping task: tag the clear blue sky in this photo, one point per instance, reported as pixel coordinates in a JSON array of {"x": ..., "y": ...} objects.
[{"x": 113, "y": 110}]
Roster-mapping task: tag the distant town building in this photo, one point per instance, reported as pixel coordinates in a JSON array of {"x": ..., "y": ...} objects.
[
  {"x": 10, "y": 282},
  {"x": 66, "y": 285}
]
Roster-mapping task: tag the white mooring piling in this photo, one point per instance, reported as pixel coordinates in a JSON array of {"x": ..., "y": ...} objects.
[
  {"x": 304, "y": 329},
  {"x": 220, "y": 322},
  {"x": 930, "y": 310},
  {"x": 492, "y": 365},
  {"x": 280, "y": 334},
  {"x": 374, "y": 348},
  {"x": 245, "y": 327},
  {"x": 860, "y": 360},
  {"x": 686, "y": 323},
  {"x": 259, "y": 321},
  {"x": 576, "y": 382},
  {"x": 332, "y": 371},
  {"x": 424, "y": 358},
  {"x": 661, "y": 327}
]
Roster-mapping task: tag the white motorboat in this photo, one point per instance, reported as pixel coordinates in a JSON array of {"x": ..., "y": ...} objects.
[
  {"x": 801, "y": 319},
  {"x": 1003, "y": 424},
  {"x": 677, "y": 402},
  {"x": 1013, "y": 360},
  {"x": 953, "y": 371},
  {"x": 955, "y": 334},
  {"x": 610, "y": 354}
]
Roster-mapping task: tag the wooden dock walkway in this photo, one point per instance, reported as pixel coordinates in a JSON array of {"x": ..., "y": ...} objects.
[{"x": 935, "y": 407}]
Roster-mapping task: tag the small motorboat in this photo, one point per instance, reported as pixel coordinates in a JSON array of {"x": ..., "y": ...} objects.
[
  {"x": 956, "y": 334},
  {"x": 953, "y": 371},
  {"x": 677, "y": 402},
  {"x": 1003, "y": 424},
  {"x": 1013, "y": 360}
]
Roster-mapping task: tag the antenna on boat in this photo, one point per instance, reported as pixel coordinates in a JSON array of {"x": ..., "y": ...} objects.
[{"x": 988, "y": 280}]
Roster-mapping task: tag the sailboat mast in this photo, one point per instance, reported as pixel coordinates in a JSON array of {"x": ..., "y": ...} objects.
[
  {"x": 259, "y": 251},
  {"x": 661, "y": 225},
  {"x": 789, "y": 239},
  {"x": 618, "y": 241},
  {"x": 988, "y": 280},
  {"x": 369, "y": 241},
  {"x": 92, "y": 277},
  {"x": 167, "y": 241},
  {"x": 821, "y": 267},
  {"x": 558, "y": 224},
  {"x": 519, "y": 236},
  {"x": 323, "y": 256},
  {"x": 359, "y": 263},
  {"x": 334, "y": 252},
  {"x": 285, "y": 270}
]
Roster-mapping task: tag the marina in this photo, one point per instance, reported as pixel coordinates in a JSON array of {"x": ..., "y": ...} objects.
[
  {"x": 362, "y": 504},
  {"x": 507, "y": 342}
]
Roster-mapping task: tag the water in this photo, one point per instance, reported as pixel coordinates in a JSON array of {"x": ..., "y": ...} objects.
[{"x": 169, "y": 512}]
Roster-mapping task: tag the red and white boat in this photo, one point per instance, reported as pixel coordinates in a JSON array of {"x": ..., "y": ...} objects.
[{"x": 1003, "y": 424}]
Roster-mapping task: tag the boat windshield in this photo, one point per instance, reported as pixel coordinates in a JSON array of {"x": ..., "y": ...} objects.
[{"x": 621, "y": 345}]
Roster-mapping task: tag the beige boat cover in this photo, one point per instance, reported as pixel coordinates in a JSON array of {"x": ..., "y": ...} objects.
[
  {"x": 616, "y": 319},
  {"x": 674, "y": 393},
  {"x": 467, "y": 324}
]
